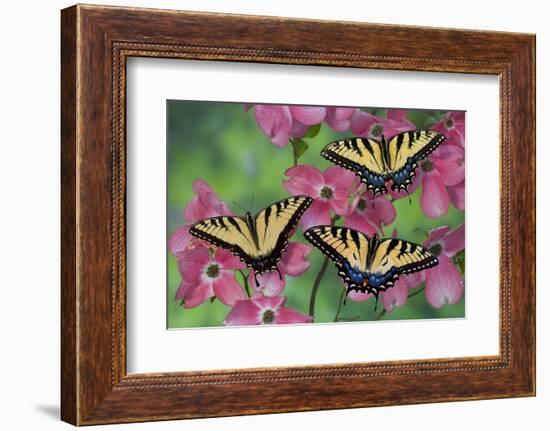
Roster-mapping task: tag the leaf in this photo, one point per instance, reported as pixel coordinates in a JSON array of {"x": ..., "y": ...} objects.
[
  {"x": 300, "y": 147},
  {"x": 459, "y": 260},
  {"x": 313, "y": 131}
]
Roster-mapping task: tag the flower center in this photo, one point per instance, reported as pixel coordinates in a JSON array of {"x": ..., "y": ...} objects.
[
  {"x": 268, "y": 316},
  {"x": 362, "y": 205},
  {"x": 436, "y": 249},
  {"x": 426, "y": 165},
  {"x": 377, "y": 130},
  {"x": 213, "y": 270},
  {"x": 326, "y": 193},
  {"x": 449, "y": 123}
]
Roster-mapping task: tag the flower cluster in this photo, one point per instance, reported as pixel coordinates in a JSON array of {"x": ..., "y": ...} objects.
[{"x": 209, "y": 272}]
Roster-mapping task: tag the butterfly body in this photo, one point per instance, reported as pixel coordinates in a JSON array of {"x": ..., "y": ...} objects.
[
  {"x": 369, "y": 264},
  {"x": 376, "y": 162},
  {"x": 259, "y": 241}
]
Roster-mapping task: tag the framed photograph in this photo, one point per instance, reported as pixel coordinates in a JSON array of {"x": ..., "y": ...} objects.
[{"x": 287, "y": 212}]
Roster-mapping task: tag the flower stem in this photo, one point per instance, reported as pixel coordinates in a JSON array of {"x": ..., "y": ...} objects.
[
  {"x": 417, "y": 291},
  {"x": 380, "y": 315},
  {"x": 245, "y": 281},
  {"x": 320, "y": 276},
  {"x": 294, "y": 153},
  {"x": 316, "y": 285},
  {"x": 340, "y": 302}
]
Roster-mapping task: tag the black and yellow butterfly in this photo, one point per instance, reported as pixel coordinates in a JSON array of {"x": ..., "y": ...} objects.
[
  {"x": 377, "y": 162},
  {"x": 369, "y": 265},
  {"x": 259, "y": 241}
]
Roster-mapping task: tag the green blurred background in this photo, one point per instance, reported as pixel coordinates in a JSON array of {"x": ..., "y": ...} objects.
[{"x": 223, "y": 145}]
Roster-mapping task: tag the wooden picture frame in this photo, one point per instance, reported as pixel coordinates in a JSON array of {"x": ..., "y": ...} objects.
[{"x": 96, "y": 41}]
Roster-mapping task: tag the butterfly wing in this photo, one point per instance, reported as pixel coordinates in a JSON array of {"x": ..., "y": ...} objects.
[
  {"x": 231, "y": 233},
  {"x": 275, "y": 224},
  {"x": 362, "y": 156},
  {"x": 394, "y": 257},
  {"x": 348, "y": 249},
  {"x": 262, "y": 246},
  {"x": 405, "y": 150}
]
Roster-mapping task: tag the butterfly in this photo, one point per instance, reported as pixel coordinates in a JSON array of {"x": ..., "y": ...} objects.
[
  {"x": 260, "y": 240},
  {"x": 377, "y": 162},
  {"x": 369, "y": 265}
]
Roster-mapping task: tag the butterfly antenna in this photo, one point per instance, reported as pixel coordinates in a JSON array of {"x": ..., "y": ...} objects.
[
  {"x": 251, "y": 202},
  {"x": 240, "y": 206},
  {"x": 279, "y": 271},
  {"x": 256, "y": 279}
]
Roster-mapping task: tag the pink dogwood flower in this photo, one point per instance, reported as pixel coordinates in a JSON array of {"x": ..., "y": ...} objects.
[
  {"x": 339, "y": 119},
  {"x": 371, "y": 126},
  {"x": 205, "y": 204},
  {"x": 444, "y": 283},
  {"x": 270, "y": 283},
  {"x": 294, "y": 261},
  {"x": 329, "y": 189},
  {"x": 263, "y": 310},
  {"x": 275, "y": 121},
  {"x": 280, "y": 123},
  {"x": 308, "y": 115},
  {"x": 206, "y": 273},
  {"x": 452, "y": 127},
  {"x": 445, "y": 168},
  {"x": 369, "y": 215}
]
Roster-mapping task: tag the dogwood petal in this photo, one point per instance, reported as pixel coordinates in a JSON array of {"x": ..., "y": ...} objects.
[
  {"x": 395, "y": 296},
  {"x": 444, "y": 284},
  {"x": 244, "y": 313},
  {"x": 304, "y": 179},
  {"x": 454, "y": 241},
  {"x": 228, "y": 260},
  {"x": 270, "y": 283},
  {"x": 288, "y": 315},
  {"x": 434, "y": 199},
  {"x": 275, "y": 121},
  {"x": 456, "y": 194},
  {"x": 317, "y": 214},
  {"x": 294, "y": 261},
  {"x": 226, "y": 288},
  {"x": 191, "y": 262},
  {"x": 308, "y": 115}
]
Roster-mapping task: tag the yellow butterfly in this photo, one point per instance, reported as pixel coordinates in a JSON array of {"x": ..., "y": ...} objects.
[
  {"x": 377, "y": 162},
  {"x": 258, "y": 240}
]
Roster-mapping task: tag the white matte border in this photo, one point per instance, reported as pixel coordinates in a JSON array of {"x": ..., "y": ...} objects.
[{"x": 153, "y": 348}]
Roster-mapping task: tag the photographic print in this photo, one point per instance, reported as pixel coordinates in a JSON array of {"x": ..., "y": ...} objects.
[{"x": 287, "y": 214}]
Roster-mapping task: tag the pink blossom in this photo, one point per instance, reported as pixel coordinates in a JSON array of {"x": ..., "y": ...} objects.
[
  {"x": 294, "y": 261},
  {"x": 269, "y": 283},
  {"x": 444, "y": 283},
  {"x": 206, "y": 273},
  {"x": 457, "y": 196},
  {"x": 339, "y": 119},
  {"x": 371, "y": 126},
  {"x": 263, "y": 310},
  {"x": 181, "y": 240},
  {"x": 308, "y": 115},
  {"x": 280, "y": 123},
  {"x": 445, "y": 168},
  {"x": 452, "y": 127},
  {"x": 329, "y": 189},
  {"x": 369, "y": 215},
  {"x": 205, "y": 204},
  {"x": 276, "y": 122}
]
